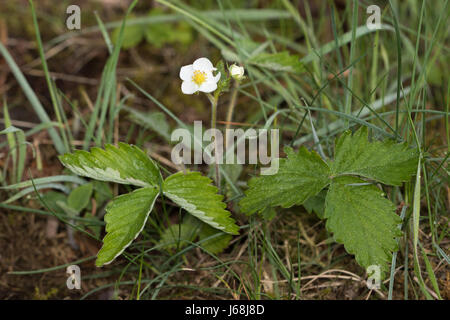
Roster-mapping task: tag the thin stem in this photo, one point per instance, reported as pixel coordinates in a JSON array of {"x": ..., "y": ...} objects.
[
  {"x": 348, "y": 92},
  {"x": 232, "y": 104},
  {"x": 214, "y": 100}
]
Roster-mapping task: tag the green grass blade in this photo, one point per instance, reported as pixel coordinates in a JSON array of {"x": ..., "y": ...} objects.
[{"x": 32, "y": 98}]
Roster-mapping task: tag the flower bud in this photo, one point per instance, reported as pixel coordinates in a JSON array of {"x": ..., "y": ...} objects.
[{"x": 237, "y": 72}]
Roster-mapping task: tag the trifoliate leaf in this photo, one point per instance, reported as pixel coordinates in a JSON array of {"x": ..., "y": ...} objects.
[
  {"x": 217, "y": 243},
  {"x": 363, "y": 220},
  {"x": 125, "y": 218},
  {"x": 195, "y": 193},
  {"x": 124, "y": 164},
  {"x": 384, "y": 161},
  {"x": 300, "y": 176},
  {"x": 281, "y": 61}
]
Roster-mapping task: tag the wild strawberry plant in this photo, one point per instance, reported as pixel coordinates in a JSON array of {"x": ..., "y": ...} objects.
[
  {"x": 356, "y": 210},
  {"x": 127, "y": 214}
]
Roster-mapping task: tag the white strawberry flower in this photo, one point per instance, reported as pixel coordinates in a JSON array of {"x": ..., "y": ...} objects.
[{"x": 199, "y": 77}]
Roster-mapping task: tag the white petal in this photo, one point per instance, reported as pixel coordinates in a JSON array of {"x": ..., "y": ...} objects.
[
  {"x": 203, "y": 64},
  {"x": 217, "y": 77},
  {"x": 208, "y": 86},
  {"x": 212, "y": 78},
  {"x": 186, "y": 72},
  {"x": 189, "y": 87}
]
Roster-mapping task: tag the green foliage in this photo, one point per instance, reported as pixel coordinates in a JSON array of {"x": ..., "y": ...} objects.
[
  {"x": 79, "y": 201},
  {"x": 233, "y": 171},
  {"x": 127, "y": 214},
  {"x": 73, "y": 205},
  {"x": 268, "y": 213},
  {"x": 384, "y": 161},
  {"x": 155, "y": 121},
  {"x": 124, "y": 164},
  {"x": 125, "y": 218},
  {"x": 280, "y": 61},
  {"x": 161, "y": 34},
  {"x": 157, "y": 35},
  {"x": 357, "y": 212},
  {"x": 51, "y": 199},
  {"x": 224, "y": 83},
  {"x": 79, "y": 197},
  {"x": 316, "y": 204},
  {"x": 363, "y": 220},
  {"x": 180, "y": 235},
  {"x": 195, "y": 193},
  {"x": 218, "y": 242},
  {"x": 300, "y": 176},
  {"x": 132, "y": 35},
  {"x": 17, "y": 147},
  {"x": 102, "y": 192}
]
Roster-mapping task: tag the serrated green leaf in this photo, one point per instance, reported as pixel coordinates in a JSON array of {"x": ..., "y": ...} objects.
[
  {"x": 195, "y": 193},
  {"x": 300, "y": 176},
  {"x": 79, "y": 197},
  {"x": 384, "y": 161},
  {"x": 363, "y": 220},
  {"x": 216, "y": 244},
  {"x": 125, "y": 164},
  {"x": 125, "y": 218},
  {"x": 281, "y": 61}
]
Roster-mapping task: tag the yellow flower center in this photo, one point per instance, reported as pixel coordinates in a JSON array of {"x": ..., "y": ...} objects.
[{"x": 199, "y": 77}]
